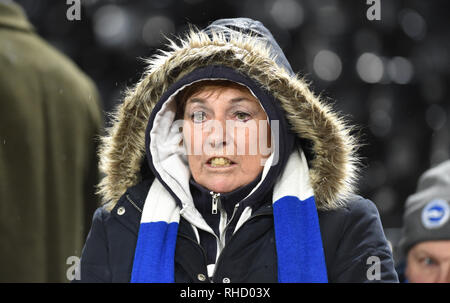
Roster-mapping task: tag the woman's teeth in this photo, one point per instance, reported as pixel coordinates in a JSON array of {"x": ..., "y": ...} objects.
[{"x": 220, "y": 162}]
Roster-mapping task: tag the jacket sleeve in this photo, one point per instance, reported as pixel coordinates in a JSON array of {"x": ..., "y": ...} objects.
[
  {"x": 94, "y": 264},
  {"x": 363, "y": 253}
]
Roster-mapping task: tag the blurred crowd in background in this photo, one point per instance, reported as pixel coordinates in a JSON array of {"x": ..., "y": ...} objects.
[{"x": 389, "y": 76}]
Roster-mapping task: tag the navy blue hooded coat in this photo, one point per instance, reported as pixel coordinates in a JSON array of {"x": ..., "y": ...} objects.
[{"x": 243, "y": 51}]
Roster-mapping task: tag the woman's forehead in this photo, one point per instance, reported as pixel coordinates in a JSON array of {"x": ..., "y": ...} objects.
[{"x": 233, "y": 93}]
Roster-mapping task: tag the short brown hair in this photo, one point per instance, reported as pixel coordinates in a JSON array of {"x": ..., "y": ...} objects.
[{"x": 182, "y": 97}]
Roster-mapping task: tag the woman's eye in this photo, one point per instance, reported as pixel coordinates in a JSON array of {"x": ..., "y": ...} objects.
[
  {"x": 241, "y": 116},
  {"x": 428, "y": 261},
  {"x": 198, "y": 117}
]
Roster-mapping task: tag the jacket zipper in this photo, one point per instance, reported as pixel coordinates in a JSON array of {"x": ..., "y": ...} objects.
[
  {"x": 215, "y": 201},
  {"x": 231, "y": 239},
  {"x": 215, "y": 206},
  {"x": 222, "y": 243},
  {"x": 217, "y": 197}
]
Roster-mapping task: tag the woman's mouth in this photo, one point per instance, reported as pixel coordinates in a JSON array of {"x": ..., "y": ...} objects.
[{"x": 219, "y": 162}]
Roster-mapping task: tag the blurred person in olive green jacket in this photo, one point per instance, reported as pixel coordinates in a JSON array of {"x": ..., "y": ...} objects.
[{"x": 49, "y": 119}]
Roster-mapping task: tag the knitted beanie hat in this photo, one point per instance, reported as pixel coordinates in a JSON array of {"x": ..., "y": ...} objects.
[{"x": 427, "y": 212}]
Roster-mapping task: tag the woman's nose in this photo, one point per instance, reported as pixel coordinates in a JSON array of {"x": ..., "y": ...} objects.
[{"x": 217, "y": 133}]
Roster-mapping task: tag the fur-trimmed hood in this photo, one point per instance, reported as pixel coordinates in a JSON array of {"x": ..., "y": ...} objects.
[{"x": 247, "y": 47}]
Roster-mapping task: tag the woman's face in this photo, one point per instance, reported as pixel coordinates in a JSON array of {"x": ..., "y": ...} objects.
[{"x": 227, "y": 137}]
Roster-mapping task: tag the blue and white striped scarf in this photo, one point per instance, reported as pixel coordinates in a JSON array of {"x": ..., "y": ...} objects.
[{"x": 297, "y": 232}]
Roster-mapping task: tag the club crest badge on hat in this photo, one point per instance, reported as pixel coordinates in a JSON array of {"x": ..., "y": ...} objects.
[{"x": 435, "y": 214}]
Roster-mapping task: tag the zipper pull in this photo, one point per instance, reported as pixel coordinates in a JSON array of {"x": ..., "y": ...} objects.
[{"x": 215, "y": 201}]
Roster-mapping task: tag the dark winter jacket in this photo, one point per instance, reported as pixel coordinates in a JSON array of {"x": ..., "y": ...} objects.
[
  {"x": 350, "y": 235},
  {"x": 240, "y": 50}
]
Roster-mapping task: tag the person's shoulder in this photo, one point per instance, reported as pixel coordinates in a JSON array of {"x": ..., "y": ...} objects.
[
  {"x": 63, "y": 72},
  {"x": 359, "y": 207},
  {"x": 355, "y": 207},
  {"x": 352, "y": 236},
  {"x": 357, "y": 219},
  {"x": 101, "y": 214},
  {"x": 360, "y": 221}
]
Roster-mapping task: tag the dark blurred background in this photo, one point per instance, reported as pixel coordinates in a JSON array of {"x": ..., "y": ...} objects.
[{"x": 390, "y": 77}]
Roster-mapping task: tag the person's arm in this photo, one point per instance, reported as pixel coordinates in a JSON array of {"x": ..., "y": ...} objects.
[
  {"x": 94, "y": 266},
  {"x": 363, "y": 253}
]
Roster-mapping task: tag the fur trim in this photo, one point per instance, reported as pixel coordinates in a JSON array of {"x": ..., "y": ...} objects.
[{"x": 333, "y": 169}]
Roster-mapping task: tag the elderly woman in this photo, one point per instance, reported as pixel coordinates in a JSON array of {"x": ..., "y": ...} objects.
[{"x": 222, "y": 166}]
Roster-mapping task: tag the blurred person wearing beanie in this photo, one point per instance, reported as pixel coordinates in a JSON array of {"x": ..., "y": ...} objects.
[
  {"x": 425, "y": 242},
  {"x": 49, "y": 118}
]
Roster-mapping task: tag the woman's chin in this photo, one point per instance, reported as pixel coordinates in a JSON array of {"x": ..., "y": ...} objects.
[{"x": 221, "y": 185}]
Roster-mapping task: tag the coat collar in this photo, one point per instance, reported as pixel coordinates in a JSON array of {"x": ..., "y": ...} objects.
[
  {"x": 202, "y": 196},
  {"x": 128, "y": 209}
]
